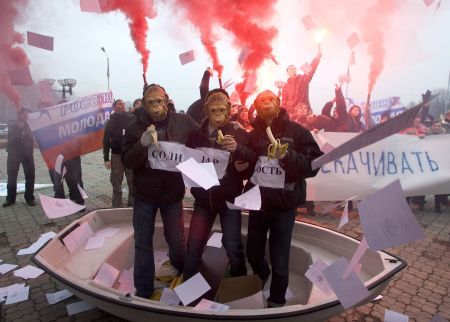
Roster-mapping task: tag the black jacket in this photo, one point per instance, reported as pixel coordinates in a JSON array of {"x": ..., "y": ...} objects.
[
  {"x": 231, "y": 184},
  {"x": 297, "y": 162},
  {"x": 113, "y": 138},
  {"x": 196, "y": 110},
  {"x": 20, "y": 138},
  {"x": 152, "y": 185}
]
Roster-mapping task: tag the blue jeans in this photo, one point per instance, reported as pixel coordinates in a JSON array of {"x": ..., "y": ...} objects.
[
  {"x": 280, "y": 224},
  {"x": 201, "y": 223},
  {"x": 144, "y": 226}
]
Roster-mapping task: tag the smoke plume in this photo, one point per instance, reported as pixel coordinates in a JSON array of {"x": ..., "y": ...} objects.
[{"x": 11, "y": 56}]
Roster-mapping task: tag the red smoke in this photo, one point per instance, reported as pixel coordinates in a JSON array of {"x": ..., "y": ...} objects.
[
  {"x": 11, "y": 56},
  {"x": 137, "y": 12},
  {"x": 373, "y": 25},
  {"x": 244, "y": 20}
]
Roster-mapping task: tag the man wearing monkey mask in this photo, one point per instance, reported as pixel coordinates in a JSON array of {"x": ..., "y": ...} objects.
[
  {"x": 225, "y": 144},
  {"x": 285, "y": 150},
  {"x": 148, "y": 138}
]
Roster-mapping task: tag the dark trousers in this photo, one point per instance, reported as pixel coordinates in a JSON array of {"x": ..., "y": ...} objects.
[
  {"x": 280, "y": 224},
  {"x": 144, "y": 227},
  {"x": 73, "y": 177},
  {"x": 12, "y": 167},
  {"x": 201, "y": 223}
]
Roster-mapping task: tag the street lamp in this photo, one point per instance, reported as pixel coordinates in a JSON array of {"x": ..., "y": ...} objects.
[
  {"x": 107, "y": 64},
  {"x": 66, "y": 82}
]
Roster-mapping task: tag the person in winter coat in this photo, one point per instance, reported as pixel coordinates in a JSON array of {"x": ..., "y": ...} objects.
[
  {"x": 156, "y": 185},
  {"x": 113, "y": 140},
  {"x": 281, "y": 176},
  {"x": 228, "y": 154}
]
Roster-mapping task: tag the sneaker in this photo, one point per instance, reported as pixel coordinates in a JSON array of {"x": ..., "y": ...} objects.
[
  {"x": 31, "y": 203},
  {"x": 8, "y": 203}
]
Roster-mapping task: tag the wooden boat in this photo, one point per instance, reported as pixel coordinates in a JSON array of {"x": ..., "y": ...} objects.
[{"x": 77, "y": 269}]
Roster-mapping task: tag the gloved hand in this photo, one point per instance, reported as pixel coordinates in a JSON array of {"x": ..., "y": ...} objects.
[{"x": 147, "y": 138}]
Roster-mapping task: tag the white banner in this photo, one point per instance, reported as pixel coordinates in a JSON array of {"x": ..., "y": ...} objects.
[{"x": 421, "y": 165}]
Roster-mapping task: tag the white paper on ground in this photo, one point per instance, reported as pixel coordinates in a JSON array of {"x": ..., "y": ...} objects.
[
  {"x": 82, "y": 192},
  {"x": 207, "y": 305},
  {"x": 21, "y": 187},
  {"x": 169, "y": 297},
  {"x": 288, "y": 295},
  {"x": 78, "y": 237},
  {"x": 315, "y": 275},
  {"x": 192, "y": 289},
  {"x": 56, "y": 208},
  {"x": 28, "y": 271},
  {"x": 17, "y": 293},
  {"x": 36, "y": 245},
  {"x": 53, "y": 298},
  {"x": 78, "y": 307},
  {"x": 215, "y": 240},
  {"x": 126, "y": 281},
  {"x": 107, "y": 232},
  {"x": 344, "y": 217},
  {"x": 357, "y": 255},
  {"x": 198, "y": 173},
  {"x": 379, "y": 297},
  {"x": 94, "y": 242},
  {"x": 255, "y": 301},
  {"x": 392, "y": 316},
  {"x": 349, "y": 291},
  {"x": 5, "y": 268},
  {"x": 107, "y": 275},
  {"x": 387, "y": 219}
]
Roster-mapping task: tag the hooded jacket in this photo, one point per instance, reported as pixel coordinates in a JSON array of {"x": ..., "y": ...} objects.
[
  {"x": 297, "y": 162},
  {"x": 231, "y": 184},
  {"x": 152, "y": 185}
]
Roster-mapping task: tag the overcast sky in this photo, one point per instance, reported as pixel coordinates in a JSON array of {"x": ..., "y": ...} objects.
[{"x": 417, "y": 45}]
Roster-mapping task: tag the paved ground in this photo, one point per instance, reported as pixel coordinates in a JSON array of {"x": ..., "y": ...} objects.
[{"x": 420, "y": 291}]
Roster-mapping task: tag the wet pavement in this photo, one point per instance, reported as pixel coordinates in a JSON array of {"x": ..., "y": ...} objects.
[{"x": 421, "y": 290}]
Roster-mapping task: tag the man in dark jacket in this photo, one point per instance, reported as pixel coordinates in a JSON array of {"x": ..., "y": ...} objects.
[
  {"x": 281, "y": 178},
  {"x": 156, "y": 185},
  {"x": 113, "y": 140},
  {"x": 196, "y": 110},
  {"x": 225, "y": 153},
  {"x": 20, "y": 151}
]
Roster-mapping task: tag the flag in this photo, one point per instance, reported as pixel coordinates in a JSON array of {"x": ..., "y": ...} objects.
[
  {"x": 353, "y": 40},
  {"x": 40, "y": 41},
  {"x": 187, "y": 57},
  {"x": 308, "y": 22}
]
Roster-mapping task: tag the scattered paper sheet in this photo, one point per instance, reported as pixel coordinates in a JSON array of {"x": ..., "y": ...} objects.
[
  {"x": 5, "y": 268},
  {"x": 37, "y": 245},
  {"x": 40, "y": 41},
  {"x": 349, "y": 291},
  {"x": 288, "y": 295},
  {"x": 82, "y": 192},
  {"x": 192, "y": 289},
  {"x": 207, "y": 305},
  {"x": 21, "y": 187},
  {"x": 375, "y": 134},
  {"x": 17, "y": 293},
  {"x": 56, "y": 208},
  {"x": 94, "y": 242},
  {"x": 215, "y": 240},
  {"x": 28, "y": 271},
  {"x": 344, "y": 217},
  {"x": 77, "y": 237},
  {"x": 169, "y": 297},
  {"x": 315, "y": 275},
  {"x": 250, "y": 200},
  {"x": 78, "y": 307},
  {"x": 255, "y": 301},
  {"x": 197, "y": 173},
  {"x": 53, "y": 298},
  {"x": 387, "y": 220},
  {"x": 107, "y": 232},
  {"x": 107, "y": 275},
  {"x": 126, "y": 281},
  {"x": 359, "y": 253},
  {"x": 392, "y": 316}
]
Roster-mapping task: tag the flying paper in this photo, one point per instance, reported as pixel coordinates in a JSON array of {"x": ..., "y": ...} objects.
[
  {"x": 428, "y": 2},
  {"x": 250, "y": 200},
  {"x": 357, "y": 255},
  {"x": 40, "y": 41},
  {"x": 90, "y": 6},
  {"x": 21, "y": 76},
  {"x": 315, "y": 275},
  {"x": 353, "y": 40},
  {"x": 308, "y": 22},
  {"x": 197, "y": 173},
  {"x": 187, "y": 57},
  {"x": 387, "y": 219}
]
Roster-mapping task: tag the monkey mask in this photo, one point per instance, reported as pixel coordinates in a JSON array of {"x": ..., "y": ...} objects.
[
  {"x": 218, "y": 108},
  {"x": 267, "y": 105}
]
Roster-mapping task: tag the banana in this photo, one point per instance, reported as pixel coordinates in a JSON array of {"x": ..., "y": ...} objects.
[
  {"x": 275, "y": 147},
  {"x": 220, "y": 136},
  {"x": 154, "y": 134}
]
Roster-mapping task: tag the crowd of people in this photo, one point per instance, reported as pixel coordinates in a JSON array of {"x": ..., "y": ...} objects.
[{"x": 238, "y": 139}]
